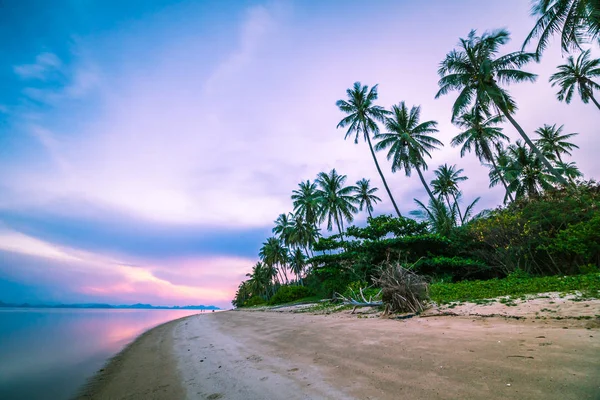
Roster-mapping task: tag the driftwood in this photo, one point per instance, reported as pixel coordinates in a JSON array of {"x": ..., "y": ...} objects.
[{"x": 361, "y": 301}]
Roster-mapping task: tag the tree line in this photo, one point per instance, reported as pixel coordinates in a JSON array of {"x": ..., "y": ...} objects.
[{"x": 479, "y": 73}]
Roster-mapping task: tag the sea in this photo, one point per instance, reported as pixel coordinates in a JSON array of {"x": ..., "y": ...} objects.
[{"x": 50, "y": 353}]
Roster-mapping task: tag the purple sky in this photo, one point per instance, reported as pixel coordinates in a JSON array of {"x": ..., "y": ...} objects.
[{"x": 147, "y": 148}]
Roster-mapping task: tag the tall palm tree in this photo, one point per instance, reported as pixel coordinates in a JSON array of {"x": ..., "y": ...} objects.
[
  {"x": 307, "y": 202},
  {"x": 446, "y": 182},
  {"x": 476, "y": 72},
  {"x": 578, "y": 74},
  {"x": 365, "y": 195},
  {"x": 577, "y": 21},
  {"x": 527, "y": 172},
  {"x": 337, "y": 200},
  {"x": 283, "y": 227},
  {"x": 362, "y": 118},
  {"x": 408, "y": 141},
  {"x": 480, "y": 135},
  {"x": 554, "y": 143},
  {"x": 297, "y": 263}
]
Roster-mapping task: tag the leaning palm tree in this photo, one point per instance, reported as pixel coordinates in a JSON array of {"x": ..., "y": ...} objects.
[
  {"x": 480, "y": 135},
  {"x": 362, "y": 118},
  {"x": 446, "y": 182},
  {"x": 408, "y": 141},
  {"x": 476, "y": 71},
  {"x": 337, "y": 201},
  {"x": 554, "y": 143},
  {"x": 528, "y": 174},
  {"x": 577, "y": 22},
  {"x": 578, "y": 74},
  {"x": 365, "y": 195}
]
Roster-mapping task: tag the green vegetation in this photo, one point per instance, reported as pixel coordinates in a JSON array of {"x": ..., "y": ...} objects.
[
  {"x": 545, "y": 236},
  {"x": 514, "y": 285}
]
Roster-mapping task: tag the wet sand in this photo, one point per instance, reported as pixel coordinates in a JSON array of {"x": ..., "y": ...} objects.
[{"x": 266, "y": 355}]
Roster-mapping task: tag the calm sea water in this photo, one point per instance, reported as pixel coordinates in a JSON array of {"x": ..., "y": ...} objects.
[{"x": 49, "y": 353}]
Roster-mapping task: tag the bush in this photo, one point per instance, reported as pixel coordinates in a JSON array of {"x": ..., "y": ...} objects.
[
  {"x": 287, "y": 294},
  {"x": 515, "y": 284},
  {"x": 453, "y": 268},
  {"x": 254, "y": 301}
]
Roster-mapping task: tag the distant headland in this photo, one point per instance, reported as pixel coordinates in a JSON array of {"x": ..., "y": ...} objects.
[{"x": 101, "y": 305}]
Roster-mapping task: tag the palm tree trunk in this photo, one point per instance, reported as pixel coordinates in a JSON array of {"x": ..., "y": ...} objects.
[
  {"x": 533, "y": 147},
  {"x": 594, "y": 100},
  {"x": 369, "y": 211},
  {"x": 425, "y": 184},
  {"x": 337, "y": 221},
  {"x": 458, "y": 208},
  {"x": 387, "y": 189}
]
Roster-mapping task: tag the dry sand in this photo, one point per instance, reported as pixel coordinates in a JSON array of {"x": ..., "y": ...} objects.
[{"x": 266, "y": 355}]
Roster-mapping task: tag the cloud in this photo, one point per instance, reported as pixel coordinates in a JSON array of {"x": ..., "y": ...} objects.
[
  {"x": 46, "y": 64},
  {"x": 82, "y": 275}
]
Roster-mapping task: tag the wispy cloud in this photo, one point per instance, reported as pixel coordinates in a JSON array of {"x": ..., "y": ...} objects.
[{"x": 45, "y": 66}]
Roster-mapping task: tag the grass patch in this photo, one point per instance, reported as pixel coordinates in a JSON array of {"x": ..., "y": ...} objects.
[{"x": 515, "y": 285}]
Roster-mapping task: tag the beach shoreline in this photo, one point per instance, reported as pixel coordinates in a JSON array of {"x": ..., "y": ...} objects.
[
  {"x": 105, "y": 383},
  {"x": 272, "y": 355}
]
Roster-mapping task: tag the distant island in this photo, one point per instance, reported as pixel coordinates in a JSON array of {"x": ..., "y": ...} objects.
[{"x": 100, "y": 305}]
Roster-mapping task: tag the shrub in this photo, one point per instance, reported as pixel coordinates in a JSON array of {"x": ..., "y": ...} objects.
[{"x": 287, "y": 294}]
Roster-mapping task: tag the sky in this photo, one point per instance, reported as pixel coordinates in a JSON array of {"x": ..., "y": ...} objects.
[{"x": 146, "y": 147}]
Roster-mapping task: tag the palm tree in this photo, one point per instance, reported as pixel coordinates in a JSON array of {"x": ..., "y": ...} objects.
[
  {"x": 274, "y": 254},
  {"x": 440, "y": 218},
  {"x": 365, "y": 195},
  {"x": 297, "y": 263},
  {"x": 337, "y": 200},
  {"x": 480, "y": 135},
  {"x": 283, "y": 227},
  {"x": 408, "y": 141},
  {"x": 577, "y": 74},
  {"x": 575, "y": 20},
  {"x": 500, "y": 172},
  {"x": 303, "y": 234},
  {"x": 260, "y": 279},
  {"x": 362, "y": 118},
  {"x": 553, "y": 142},
  {"x": 476, "y": 72},
  {"x": 446, "y": 184},
  {"x": 569, "y": 170},
  {"x": 307, "y": 202},
  {"x": 527, "y": 172}
]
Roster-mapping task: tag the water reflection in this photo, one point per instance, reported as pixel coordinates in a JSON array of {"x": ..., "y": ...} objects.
[{"x": 49, "y": 353}]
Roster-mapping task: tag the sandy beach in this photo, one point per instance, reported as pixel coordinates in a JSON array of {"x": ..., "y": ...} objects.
[{"x": 268, "y": 355}]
